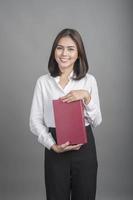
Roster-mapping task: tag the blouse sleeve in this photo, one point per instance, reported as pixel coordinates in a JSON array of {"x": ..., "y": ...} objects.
[
  {"x": 36, "y": 122},
  {"x": 93, "y": 111}
]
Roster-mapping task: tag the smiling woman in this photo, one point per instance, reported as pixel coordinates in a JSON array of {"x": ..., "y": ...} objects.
[
  {"x": 66, "y": 54},
  {"x": 67, "y": 165},
  {"x": 68, "y": 46}
]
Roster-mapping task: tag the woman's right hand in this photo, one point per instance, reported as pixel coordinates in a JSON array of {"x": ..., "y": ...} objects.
[{"x": 65, "y": 147}]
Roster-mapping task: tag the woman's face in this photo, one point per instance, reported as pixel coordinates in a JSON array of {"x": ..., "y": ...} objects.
[{"x": 66, "y": 53}]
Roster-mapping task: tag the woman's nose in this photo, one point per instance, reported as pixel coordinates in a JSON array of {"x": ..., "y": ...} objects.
[{"x": 64, "y": 52}]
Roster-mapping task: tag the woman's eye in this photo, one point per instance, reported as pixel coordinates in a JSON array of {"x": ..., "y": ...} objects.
[
  {"x": 61, "y": 48},
  {"x": 58, "y": 47},
  {"x": 70, "y": 49}
]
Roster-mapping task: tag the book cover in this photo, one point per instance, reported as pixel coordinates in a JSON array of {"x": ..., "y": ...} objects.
[{"x": 69, "y": 122}]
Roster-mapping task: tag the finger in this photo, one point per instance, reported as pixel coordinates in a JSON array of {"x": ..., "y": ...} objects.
[
  {"x": 66, "y": 96},
  {"x": 69, "y": 99},
  {"x": 72, "y": 147},
  {"x": 77, "y": 148},
  {"x": 80, "y": 144},
  {"x": 65, "y": 144},
  {"x": 77, "y": 145}
]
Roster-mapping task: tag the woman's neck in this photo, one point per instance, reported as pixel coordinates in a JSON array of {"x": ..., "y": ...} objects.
[{"x": 66, "y": 72}]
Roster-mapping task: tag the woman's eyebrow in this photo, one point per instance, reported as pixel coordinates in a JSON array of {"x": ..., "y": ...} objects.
[{"x": 66, "y": 46}]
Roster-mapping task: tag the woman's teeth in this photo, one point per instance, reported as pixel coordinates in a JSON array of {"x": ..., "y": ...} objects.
[{"x": 64, "y": 59}]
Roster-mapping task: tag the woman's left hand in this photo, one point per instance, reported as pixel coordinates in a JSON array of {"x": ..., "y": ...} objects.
[{"x": 75, "y": 95}]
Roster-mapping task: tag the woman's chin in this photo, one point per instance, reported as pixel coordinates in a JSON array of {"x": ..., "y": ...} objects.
[{"x": 65, "y": 65}]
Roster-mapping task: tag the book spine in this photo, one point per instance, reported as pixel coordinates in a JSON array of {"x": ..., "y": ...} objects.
[{"x": 83, "y": 118}]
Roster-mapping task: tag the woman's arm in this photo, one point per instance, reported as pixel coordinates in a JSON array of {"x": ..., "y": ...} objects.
[
  {"x": 36, "y": 122},
  {"x": 91, "y": 102},
  {"x": 92, "y": 108}
]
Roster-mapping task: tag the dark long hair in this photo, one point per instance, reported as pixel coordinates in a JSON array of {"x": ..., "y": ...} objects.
[{"x": 80, "y": 66}]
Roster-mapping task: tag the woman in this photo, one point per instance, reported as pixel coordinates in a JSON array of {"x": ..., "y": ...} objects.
[{"x": 70, "y": 170}]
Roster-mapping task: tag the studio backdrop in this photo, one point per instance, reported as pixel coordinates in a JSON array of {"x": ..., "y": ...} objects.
[{"x": 27, "y": 31}]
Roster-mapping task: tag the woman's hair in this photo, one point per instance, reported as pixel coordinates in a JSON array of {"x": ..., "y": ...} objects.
[{"x": 80, "y": 66}]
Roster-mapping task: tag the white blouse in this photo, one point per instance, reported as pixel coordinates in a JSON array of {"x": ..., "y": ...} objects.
[{"x": 47, "y": 88}]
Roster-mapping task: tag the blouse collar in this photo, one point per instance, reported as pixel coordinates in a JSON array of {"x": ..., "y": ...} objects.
[{"x": 57, "y": 78}]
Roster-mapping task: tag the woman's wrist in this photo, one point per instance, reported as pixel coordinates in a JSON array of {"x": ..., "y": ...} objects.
[{"x": 54, "y": 148}]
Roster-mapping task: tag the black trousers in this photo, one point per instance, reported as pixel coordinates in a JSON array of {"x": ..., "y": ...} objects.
[{"x": 73, "y": 173}]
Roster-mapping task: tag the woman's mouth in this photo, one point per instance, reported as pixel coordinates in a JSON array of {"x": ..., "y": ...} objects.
[{"x": 64, "y": 59}]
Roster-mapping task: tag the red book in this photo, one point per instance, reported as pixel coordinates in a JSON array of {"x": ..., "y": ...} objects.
[{"x": 69, "y": 122}]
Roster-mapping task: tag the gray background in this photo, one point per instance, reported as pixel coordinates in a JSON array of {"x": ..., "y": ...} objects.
[{"x": 27, "y": 31}]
